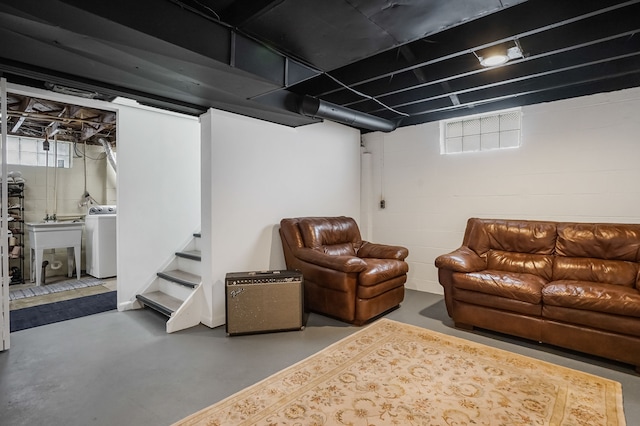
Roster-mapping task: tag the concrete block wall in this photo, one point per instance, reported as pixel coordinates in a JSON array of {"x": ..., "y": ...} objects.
[{"x": 578, "y": 162}]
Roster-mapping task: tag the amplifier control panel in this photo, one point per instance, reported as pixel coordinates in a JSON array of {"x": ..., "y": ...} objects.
[{"x": 263, "y": 277}]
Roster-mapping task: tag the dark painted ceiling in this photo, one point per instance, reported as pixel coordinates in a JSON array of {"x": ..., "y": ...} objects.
[{"x": 408, "y": 61}]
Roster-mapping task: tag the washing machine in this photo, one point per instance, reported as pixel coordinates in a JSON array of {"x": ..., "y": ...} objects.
[{"x": 100, "y": 241}]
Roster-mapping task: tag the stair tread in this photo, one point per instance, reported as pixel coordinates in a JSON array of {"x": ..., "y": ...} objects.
[
  {"x": 181, "y": 277},
  {"x": 162, "y": 299},
  {"x": 191, "y": 254}
]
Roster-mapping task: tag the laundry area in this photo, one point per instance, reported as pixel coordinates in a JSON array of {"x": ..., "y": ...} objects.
[{"x": 61, "y": 181}]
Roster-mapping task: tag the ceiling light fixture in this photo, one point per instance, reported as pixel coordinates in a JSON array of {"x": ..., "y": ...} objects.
[
  {"x": 499, "y": 56},
  {"x": 494, "y": 60}
]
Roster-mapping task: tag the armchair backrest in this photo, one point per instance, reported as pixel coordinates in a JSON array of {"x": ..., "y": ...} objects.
[{"x": 333, "y": 235}]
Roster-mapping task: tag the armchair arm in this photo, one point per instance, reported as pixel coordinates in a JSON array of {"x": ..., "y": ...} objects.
[
  {"x": 382, "y": 251},
  {"x": 461, "y": 260},
  {"x": 338, "y": 263}
]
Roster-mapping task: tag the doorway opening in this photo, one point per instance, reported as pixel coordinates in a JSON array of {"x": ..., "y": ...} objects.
[{"x": 61, "y": 162}]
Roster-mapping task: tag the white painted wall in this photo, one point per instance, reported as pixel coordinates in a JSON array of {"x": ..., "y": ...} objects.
[
  {"x": 254, "y": 174},
  {"x": 158, "y": 192},
  {"x": 578, "y": 162}
]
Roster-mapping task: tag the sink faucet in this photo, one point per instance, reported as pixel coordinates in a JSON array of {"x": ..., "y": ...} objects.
[{"x": 51, "y": 218}]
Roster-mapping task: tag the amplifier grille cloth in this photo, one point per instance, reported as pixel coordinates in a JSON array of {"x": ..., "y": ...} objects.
[{"x": 263, "y": 307}]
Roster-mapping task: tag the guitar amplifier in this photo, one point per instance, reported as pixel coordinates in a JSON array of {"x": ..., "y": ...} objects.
[{"x": 263, "y": 301}]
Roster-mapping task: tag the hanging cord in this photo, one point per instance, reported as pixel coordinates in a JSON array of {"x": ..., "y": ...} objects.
[
  {"x": 86, "y": 197},
  {"x": 45, "y": 147},
  {"x": 79, "y": 154},
  {"x": 55, "y": 177},
  {"x": 364, "y": 95},
  {"x": 84, "y": 162},
  {"x": 383, "y": 202}
]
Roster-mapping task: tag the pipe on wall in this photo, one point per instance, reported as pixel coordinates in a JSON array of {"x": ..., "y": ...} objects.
[{"x": 109, "y": 152}]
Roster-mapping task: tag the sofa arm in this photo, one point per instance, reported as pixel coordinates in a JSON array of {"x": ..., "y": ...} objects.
[
  {"x": 382, "y": 251},
  {"x": 338, "y": 263},
  {"x": 461, "y": 260}
]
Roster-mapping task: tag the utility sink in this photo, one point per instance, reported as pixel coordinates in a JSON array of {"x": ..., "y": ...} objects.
[{"x": 51, "y": 235}]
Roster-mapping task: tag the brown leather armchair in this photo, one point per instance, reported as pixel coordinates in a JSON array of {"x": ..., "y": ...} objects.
[{"x": 344, "y": 277}]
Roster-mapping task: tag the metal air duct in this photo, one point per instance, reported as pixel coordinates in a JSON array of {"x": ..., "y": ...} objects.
[
  {"x": 317, "y": 108},
  {"x": 110, "y": 157}
]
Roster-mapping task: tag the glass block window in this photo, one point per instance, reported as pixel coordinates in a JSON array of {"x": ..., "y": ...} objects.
[
  {"x": 30, "y": 152},
  {"x": 497, "y": 130}
]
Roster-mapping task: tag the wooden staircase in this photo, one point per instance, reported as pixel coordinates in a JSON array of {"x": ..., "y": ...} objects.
[{"x": 176, "y": 291}]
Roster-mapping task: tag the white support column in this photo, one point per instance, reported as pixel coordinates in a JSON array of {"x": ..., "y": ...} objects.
[
  {"x": 366, "y": 196},
  {"x": 213, "y": 314},
  {"x": 4, "y": 229}
]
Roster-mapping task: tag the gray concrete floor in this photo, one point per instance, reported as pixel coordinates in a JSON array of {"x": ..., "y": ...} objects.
[{"x": 121, "y": 368}]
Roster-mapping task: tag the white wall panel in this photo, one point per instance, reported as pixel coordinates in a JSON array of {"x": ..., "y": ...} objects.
[
  {"x": 259, "y": 173},
  {"x": 158, "y": 192}
]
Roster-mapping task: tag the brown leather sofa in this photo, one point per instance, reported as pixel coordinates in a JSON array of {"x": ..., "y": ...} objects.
[
  {"x": 574, "y": 285},
  {"x": 344, "y": 277}
]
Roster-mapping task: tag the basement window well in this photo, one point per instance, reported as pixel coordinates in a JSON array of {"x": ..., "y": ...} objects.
[{"x": 484, "y": 132}]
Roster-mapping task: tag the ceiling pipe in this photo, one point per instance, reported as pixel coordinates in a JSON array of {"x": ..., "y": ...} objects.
[{"x": 317, "y": 108}]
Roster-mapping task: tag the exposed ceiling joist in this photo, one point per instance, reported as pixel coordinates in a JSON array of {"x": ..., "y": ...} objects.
[
  {"x": 408, "y": 61},
  {"x": 40, "y": 118},
  {"x": 27, "y": 107}
]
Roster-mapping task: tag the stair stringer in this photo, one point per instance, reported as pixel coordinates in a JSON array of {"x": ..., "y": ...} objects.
[
  {"x": 153, "y": 282},
  {"x": 189, "y": 294},
  {"x": 219, "y": 317},
  {"x": 152, "y": 285},
  {"x": 189, "y": 313}
]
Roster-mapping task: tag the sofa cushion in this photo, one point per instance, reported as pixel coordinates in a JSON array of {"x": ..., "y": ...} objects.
[
  {"x": 595, "y": 270},
  {"x": 372, "y": 291},
  {"x": 599, "y": 240},
  {"x": 588, "y": 296},
  {"x": 511, "y": 235},
  {"x": 536, "y": 264},
  {"x": 610, "y": 323},
  {"x": 523, "y": 287},
  {"x": 496, "y": 302}
]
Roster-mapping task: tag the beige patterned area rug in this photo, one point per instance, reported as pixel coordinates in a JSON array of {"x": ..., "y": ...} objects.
[{"x": 391, "y": 373}]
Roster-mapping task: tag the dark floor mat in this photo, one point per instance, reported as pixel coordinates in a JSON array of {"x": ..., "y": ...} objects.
[{"x": 22, "y": 319}]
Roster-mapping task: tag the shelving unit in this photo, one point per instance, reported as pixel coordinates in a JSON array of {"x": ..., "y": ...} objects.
[{"x": 16, "y": 227}]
